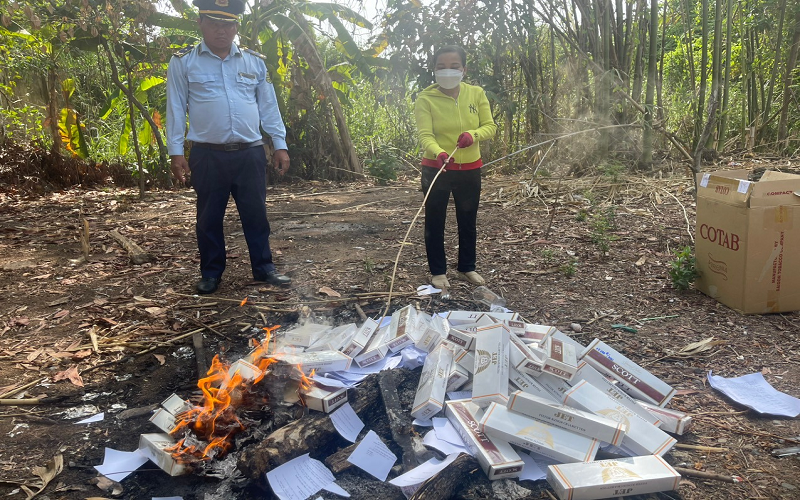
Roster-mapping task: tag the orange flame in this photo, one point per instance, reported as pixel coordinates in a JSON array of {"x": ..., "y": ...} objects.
[{"x": 244, "y": 301}]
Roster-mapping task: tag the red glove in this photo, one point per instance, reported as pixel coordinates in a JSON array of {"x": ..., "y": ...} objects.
[
  {"x": 465, "y": 140},
  {"x": 442, "y": 159}
]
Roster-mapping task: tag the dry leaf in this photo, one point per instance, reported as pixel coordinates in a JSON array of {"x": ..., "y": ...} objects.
[
  {"x": 35, "y": 354},
  {"x": 45, "y": 475},
  {"x": 161, "y": 358},
  {"x": 156, "y": 311},
  {"x": 60, "y": 314},
  {"x": 329, "y": 292},
  {"x": 71, "y": 374},
  {"x": 696, "y": 348},
  {"x": 641, "y": 261}
]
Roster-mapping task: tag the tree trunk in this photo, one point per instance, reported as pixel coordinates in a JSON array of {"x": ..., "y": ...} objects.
[
  {"x": 701, "y": 100},
  {"x": 646, "y": 160},
  {"x": 783, "y": 123},
  {"x": 776, "y": 62},
  {"x": 723, "y": 119},
  {"x": 134, "y": 131},
  {"x": 52, "y": 110},
  {"x": 716, "y": 56}
]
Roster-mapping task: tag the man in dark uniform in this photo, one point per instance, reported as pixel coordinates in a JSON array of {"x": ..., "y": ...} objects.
[{"x": 229, "y": 98}]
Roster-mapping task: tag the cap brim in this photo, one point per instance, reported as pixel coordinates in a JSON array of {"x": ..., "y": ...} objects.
[{"x": 220, "y": 16}]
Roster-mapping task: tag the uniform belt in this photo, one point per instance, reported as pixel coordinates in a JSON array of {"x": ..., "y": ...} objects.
[{"x": 231, "y": 146}]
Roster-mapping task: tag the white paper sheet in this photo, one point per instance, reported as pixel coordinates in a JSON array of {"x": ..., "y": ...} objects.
[
  {"x": 531, "y": 471},
  {"x": 422, "y": 422},
  {"x": 413, "y": 479},
  {"x": 337, "y": 490},
  {"x": 754, "y": 392},
  {"x": 332, "y": 382},
  {"x": 459, "y": 395},
  {"x": 427, "y": 290},
  {"x": 94, "y": 418},
  {"x": 434, "y": 442},
  {"x": 117, "y": 465},
  {"x": 347, "y": 422},
  {"x": 299, "y": 478},
  {"x": 411, "y": 357},
  {"x": 373, "y": 456},
  {"x": 446, "y": 432}
]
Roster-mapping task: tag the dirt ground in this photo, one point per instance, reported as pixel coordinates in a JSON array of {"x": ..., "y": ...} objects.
[{"x": 540, "y": 245}]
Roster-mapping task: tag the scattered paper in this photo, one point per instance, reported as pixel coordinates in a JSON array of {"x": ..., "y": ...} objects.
[
  {"x": 754, "y": 392},
  {"x": 373, "y": 456},
  {"x": 413, "y": 479},
  {"x": 347, "y": 422},
  {"x": 94, "y": 418},
  {"x": 299, "y": 478},
  {"x": 531, "y": 471},
  {"x": 422, "y": 422},
  {"x": 117, "y": 465},
  {"x": 446, "y": 432},
  {"x": 337, "y": 490},
  {"x": 411, "y": 357},
  {"x": 459, "y": 395},
  {"x": 432, "y": 441},
  {"x": 427, "y": 290},
  {"x": 332, "y": 382}
]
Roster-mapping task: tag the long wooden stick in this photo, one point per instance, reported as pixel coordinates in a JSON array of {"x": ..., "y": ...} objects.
[
  {"x": 20, "y": 389},
  {"x": 709, "y": 475}
]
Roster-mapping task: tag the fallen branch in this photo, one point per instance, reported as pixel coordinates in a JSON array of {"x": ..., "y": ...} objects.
[
  {"x": 20, "y": 389},
  {"x": 446, "y": 483},
  {"x": 710, "y": 449},
  {"x": 135, "y": 252},
  {"x": 709, "y": 475}
]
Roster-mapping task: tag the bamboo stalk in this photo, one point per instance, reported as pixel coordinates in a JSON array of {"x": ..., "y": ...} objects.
[
  {"x": 700, "y": 448},
  {"x": 20, "y": 389}
]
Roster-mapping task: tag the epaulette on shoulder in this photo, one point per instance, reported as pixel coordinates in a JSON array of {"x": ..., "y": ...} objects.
[
  {"x": 251, "y": 51},
  {"x": 183, "y": 51}
]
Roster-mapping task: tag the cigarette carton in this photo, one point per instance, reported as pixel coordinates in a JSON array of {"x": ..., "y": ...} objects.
[
  {"x": 432, "y": 385},
  {"x": 557, "y": 387},
  {"x": 583, "y": 423},
  {"x": 490, "y": 379},
  {"x": 524, "y": 358},
  {"x": 431, "y": 332},
  {"x": 537, "y": 333},
  {"x": 247, "y": 371},
  {"x": 497, "y": 458},
  {"x": 164, "y": 420},
  {"x": 674, "y": 421},
  {"x": 305, "y": 335},
  {"x": 152, "y": 446},
  {"x": 465, "y": 359},
  {"x": 361, "y": 338},
  {"x": 501, "y": 316},
  {"x": 458, "y": 378},
  {"x": 612, "y": 478},
  {"x": 597, "y": 379},
  {"x": 334, "y": 339},
  {"x": 560, "y": 359},
  {"x": 324, "y": 399},
  {"x": 375, "y": 351},
  {"x": 320, "y": 361},
  {"x": 563, "y": 337},
  {"x": 516, "y": 327},
  {"x": 642, "y": 437},
  {"x": 402, "y": 329},
  {"x": 176, "y": 404},
  {"x": 499, "y": 422},
  {"x": 633, "y": 379},
  {"x": 526, "y": 383},
  {"x": 462, "y": 317}
]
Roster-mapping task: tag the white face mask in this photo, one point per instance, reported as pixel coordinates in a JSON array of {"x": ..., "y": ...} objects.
[{"x": 448, "y": 78}]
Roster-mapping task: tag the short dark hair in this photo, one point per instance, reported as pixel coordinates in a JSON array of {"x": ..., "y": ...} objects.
[{"x": 451, "y": 48}]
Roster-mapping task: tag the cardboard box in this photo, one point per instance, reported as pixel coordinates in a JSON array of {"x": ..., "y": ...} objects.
[
  {"x": 747, "y": 243},
  {"x": 176, "y": 404},
  {"x": 632, "y": 378},
  {"x": 583, "y": 423},
  {"x": 674, "y": 421},
  {"x": 361, "y": 339},
  {"x": 597, "y": 379},
  {"x": 490, "y": 379},
  {"x": 324, "y": 399},
  {"x": 402, "y": 329},
  {"x": 554, "y": 442},
  {"x": 496, "y": 457},
  {"x": 432, "y": 386},
  {"x": 152, "y": 446},
  {"x": 612, "y": 478},
  {"x": 164, "y": 420}
]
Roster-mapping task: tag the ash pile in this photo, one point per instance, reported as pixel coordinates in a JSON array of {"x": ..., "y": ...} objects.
[{"x": 523, "y": 402}]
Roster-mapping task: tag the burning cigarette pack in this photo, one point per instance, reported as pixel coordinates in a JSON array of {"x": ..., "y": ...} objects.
[
  {"x": 164, "y": 420},
  {"x": 402, "y": 329},
  {"x": 465, "y": 359},
  {"x": 526, "y": 383},
  {"x": 497, "y": 458},
  {"x": 583, "y": 423},
  {"x": 642, "y": 437},
  {"x": 525, "y": 359},
  {"x": 490, "y": 380},
  {"x": 247, "y": 371},
  {"x": 152, "y": 446},
  {"x": 324, "y": 399},
  {"x": 305, "y": 335},
  {"x": 560, "y": 359},
  {"x": 537, "y": 334},
  {"x": 540, "y": 437},
  {"x": 375, "y": 351},
  {"x": 361, "y": 338},
  {"x": 176, "y": 404},
  {"x": 432, "y": 386},
  {"x": 597, "y": 379},
  {"x": 674, "y": 421},
  {"x": 632, "y": 378},
  {"x": 612, "y": 478},
  {"x": 334, "y": 339},
  {"x": 320, "y": 361},
  {"x": 458, "y": 378}
]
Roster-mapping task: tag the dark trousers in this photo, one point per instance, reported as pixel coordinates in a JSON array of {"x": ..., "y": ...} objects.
[
  {"x": 216, "y": 175},
  {"x": 465, "y": 185}
]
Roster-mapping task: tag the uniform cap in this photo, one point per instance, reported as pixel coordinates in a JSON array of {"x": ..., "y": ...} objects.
[{"x": 220, "y": 10}]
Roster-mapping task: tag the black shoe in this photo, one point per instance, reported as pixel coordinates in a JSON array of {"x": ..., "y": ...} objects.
[
  {"x": 273, "y": 278},
  {"x": 207, "y": 285}
]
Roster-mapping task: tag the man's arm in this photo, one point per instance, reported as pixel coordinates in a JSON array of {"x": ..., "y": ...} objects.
[
  {"x": 271, "y": 121},
  {"x": 177, "y": 97}
]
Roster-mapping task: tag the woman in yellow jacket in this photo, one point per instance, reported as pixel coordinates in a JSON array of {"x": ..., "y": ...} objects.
[{"x": 451, "y": 113}]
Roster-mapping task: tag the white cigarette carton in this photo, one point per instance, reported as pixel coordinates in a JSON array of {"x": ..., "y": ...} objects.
[
  {"x": 674, "y": 421},
  {"x": 361, "y": 338},
  {"x": 497, "y": 458},
  {"x": 525, "y": 359},
  {"x": 431, "y": 332},
  {"x": 334, "y": 339},
  {"x": 563, "y": 337},
  {"x": 537, "y": 333},
  {"x": 375, "y": 351},
  {"x": 324, "y": 399},
  {"x": 632, "y": 378},
  {"x": 461, "y": 338},
  {"x": 612, "y": 478},
  {"x": 490, "y": 379},
  {"x": 560, "y": 359},
  {"x": 176, "y": 404},
  {"x": 320, "y": 361},
  {"x": 583, "y": 423},
  {"x": 402, "y": 329},
  {"x": 499, "y": 422},
  {"x": 247, "y": 371},
  {"x": 432, "y": 385},
  {"x": 501, "y": 316},
  {"x": 304, "y": 335},
  {"x": 164, "y": 420},
  {"x": 462, "y": 317},
  {"x": 152, "y": 446},
  {"x": 465, "y": 359},
  {"x": 597, "y": 379},
  {"x": 516, "y": 327},
  {"x": 526, "y": 383},
  {"x": 557, "y": 387},
  {"x": 642, "y": 437},
  {"x": 458, "y": 378}
]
